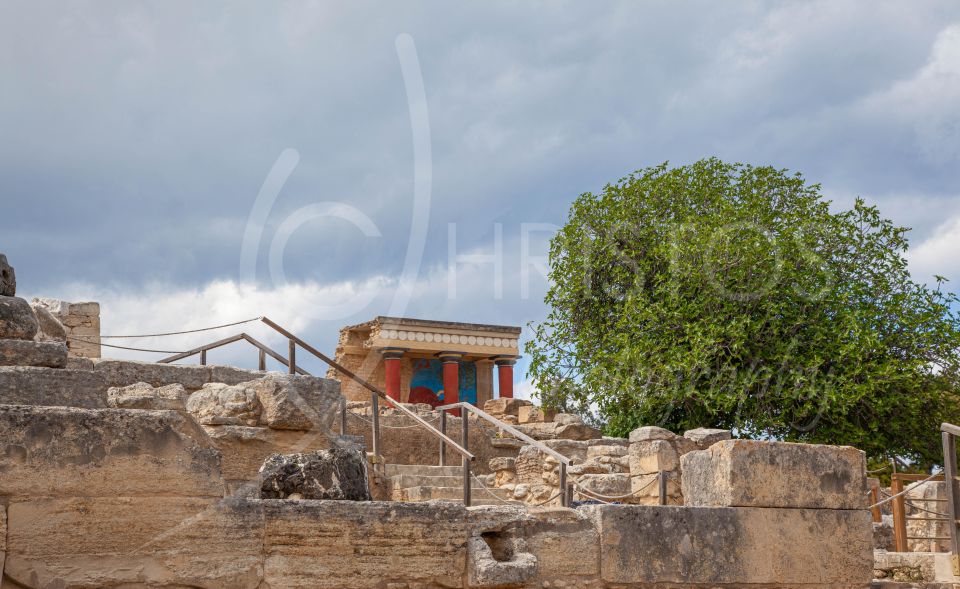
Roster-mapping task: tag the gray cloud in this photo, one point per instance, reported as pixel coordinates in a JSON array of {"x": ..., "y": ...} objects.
[{"x": 136, "y": 135}]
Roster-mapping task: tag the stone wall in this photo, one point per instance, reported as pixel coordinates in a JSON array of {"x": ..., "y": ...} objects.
[{"x": 81, "y": 321}]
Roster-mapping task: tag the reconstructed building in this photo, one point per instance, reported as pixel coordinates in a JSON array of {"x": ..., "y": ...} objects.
[{"x": 433, "y": 362}]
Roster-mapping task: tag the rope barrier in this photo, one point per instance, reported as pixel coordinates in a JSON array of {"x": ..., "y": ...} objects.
[
  {"x": 909, "y": 488},
  {"x": 86, "y": 341},
  {"x": 181, "y": 332},
  {"x": 609, "y": 498}
]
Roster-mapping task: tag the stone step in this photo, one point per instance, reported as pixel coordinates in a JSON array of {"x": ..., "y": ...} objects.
[
  {"x": 454, "y": 494},
  {"x": 405, "y": 481},
  {"x": 392, "y": 470},
  {"x": 52, "y": 387}
]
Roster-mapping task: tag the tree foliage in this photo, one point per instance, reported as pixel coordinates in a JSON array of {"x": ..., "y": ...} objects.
[{"x": 731, "y": 296}]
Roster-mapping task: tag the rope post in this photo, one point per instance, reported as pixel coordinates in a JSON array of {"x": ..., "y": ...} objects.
[
  {"x": 443, "y": 430},
  {"x": 292, "y": 358},
  {"x": 564, "y": 500},
  {"x": 950, "y": 484},
  {"x": 375, "y": 408},
  {"x": 262, "y": 364},
  {"x": 465, "y": 429},
  {"x": 899, "y": 515},
  {"x": 203, "y": 357},
  {"x": 662, "y": 482},
  {"x": 875, "y": 509},
  {"x": 343, "y": 416}
]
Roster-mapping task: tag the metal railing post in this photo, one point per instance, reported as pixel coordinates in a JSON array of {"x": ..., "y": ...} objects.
[
  {"x": 203, "y": 357},
  {"x": 465, "y": 428},
  {"x": 662, "y": 482},
  {"x": 899, "y": 515},
  {"x": 343, "y": 416},
  {"x": 443, "y": 445},
  {"x": 950, "y": 484},
  {"x": 262, "y": 364},
  {"x": 563, "y": 485},
  {"x": 375, "y": 408},
  {"x": 292, "y": 358}
]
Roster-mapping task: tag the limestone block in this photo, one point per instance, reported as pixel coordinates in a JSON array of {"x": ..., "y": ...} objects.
[
  {"x": 565, "y": 542},
  {"x": 605, "y": 485},
  {"x": 567, "y": 419},
  {"x": 651, "y": 456},
  {"x": 502, "y": 463},
  {"x": 80, "y": 363},
  {"x": 296, "y": 402},
  {"x": 25, "y": 385},
  {"x": 651, "y": 432},
  {"x": 753, "y": 473},
  {"x": 244, "y": 448},
  {"x": 577, "y": 431},
  {"x": 17, "y": 320},
  {"x": 358, "y": 545},
  {"x": 607, "y": 450},
  {"x": 645, "y": 489},
  {"x": 734, "y": 546},
  {"x": 135, "y": 542},
  {"x": 144, "y": 396},
  {"x": 222, "y": 404},
  {"x": 8, "y": 283},
  {"x": 498, "y": 562},
  {"x": 50, "y": 328},
  {"x": 705, "y": 437},
  {"x": 66, "y": 451},
  {"x": 336, "y": 473},
  {"x": 532, "y": 414},
  {"x": 3, "y": 538},
  {"x": 505, "y": 406},
  {"x": 121, "y": 373},
  {"x": 16, "y": 352}
]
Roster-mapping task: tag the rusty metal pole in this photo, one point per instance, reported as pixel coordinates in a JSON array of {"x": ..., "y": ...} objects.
[
  {"x": 343, "y": 416},
  {"x": 662, "y": 482},
  {"x": 443, "y": 430},
  {"x": 899, "y": 515},
  {"x": 262, "y": 364},
  {"x": 375, "y": 408},
  {"x": 465, "y": 428},
  {"x": 564, "y": 500},
  {"x": 203, "y": 357},
  {"x": 950, "y": 484},
  {"x": 292, "y": 359}
]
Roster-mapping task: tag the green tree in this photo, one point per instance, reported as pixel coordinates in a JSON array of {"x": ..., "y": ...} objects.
[{"x": 731, "y": 296}]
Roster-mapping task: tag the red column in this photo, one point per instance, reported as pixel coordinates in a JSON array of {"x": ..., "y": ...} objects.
[
  {"x": 391, "y": 364},
  {"x": 451, "y": 380},
  {"x": 505, "y": 376}
]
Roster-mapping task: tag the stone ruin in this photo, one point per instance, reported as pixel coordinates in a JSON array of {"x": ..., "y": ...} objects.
[{"x": 132, "y": 474}]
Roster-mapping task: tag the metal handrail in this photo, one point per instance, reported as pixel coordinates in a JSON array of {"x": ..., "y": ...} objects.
[
  {"x": 293, "y": 368},
  {"x": 566, "y": 495},
  {"x": 948, "y": 435}
]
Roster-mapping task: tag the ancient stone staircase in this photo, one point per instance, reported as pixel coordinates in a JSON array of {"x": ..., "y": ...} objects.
[{"x": 417, "y": 482}]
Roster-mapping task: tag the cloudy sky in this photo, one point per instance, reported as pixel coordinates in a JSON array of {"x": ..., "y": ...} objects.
[{"x": 136, "y": 137}]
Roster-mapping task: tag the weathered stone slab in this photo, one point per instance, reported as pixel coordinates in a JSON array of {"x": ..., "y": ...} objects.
[
  {"x": 135, "y": 542},
  {"x": 505, "y": 406},
  {"x": 16, "y": 352},
  {"x": 66, "y": 451},
  {"x": 735, "y": 546},
  {"x": 532, "y": 414},
  {"x": 17, "y": 320},
  {"x": 222, "y": 404},
  {"x": 3, "y": 537},
  {"x": 565, "y": 542},
  {"x": 26, "y": 385},
  {"x": 121, "y": 373},
  {"x": 141, "y": 395},
  {"x": 705, "y": 437},
  {"x": 325, "y": 474},
  {"x": 358, "y": 545},
  {"x": 651, "y": 432},
  {"x": 8, "y": 282},
  {"x": 297, "y": 402},
  {"x": 244, "y": 448},
  {"x": 753, "y": 473},
  {"x": 50, "y": 328}
]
